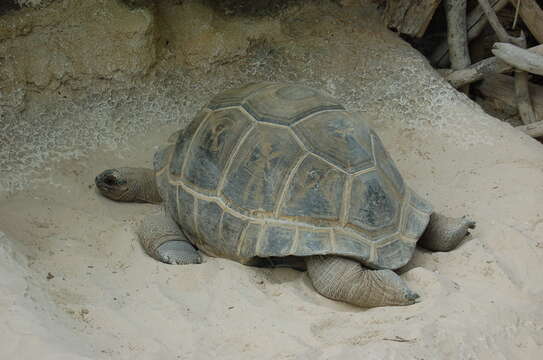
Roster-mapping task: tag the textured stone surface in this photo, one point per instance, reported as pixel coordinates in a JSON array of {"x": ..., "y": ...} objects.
[
  {"x": 206, "y": 38},
  {"x": 77, "y": 40},
  {"x": 77, "y": 99}
]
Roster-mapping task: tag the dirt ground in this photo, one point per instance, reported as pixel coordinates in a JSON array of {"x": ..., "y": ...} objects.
[{"x": 74, "y": 282}]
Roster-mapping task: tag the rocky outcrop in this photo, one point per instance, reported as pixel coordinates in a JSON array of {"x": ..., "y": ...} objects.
[
  {"x": 198, "y": 36},
  {"x": 77, "y": 42},
  {"x": 73, "y": 40}
]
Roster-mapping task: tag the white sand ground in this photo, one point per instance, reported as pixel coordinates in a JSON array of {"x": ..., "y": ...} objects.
[{"x": 74, "y": 283}]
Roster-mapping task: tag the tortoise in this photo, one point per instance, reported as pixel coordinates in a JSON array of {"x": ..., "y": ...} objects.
[{"x": 281, "y": 174}]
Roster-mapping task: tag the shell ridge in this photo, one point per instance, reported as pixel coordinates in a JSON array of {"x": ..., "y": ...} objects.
[
  {"x": 346, "y": 203},
  {"x": 261, "y": 233},
  {"x": 195, "y": 218},
  {"x": 287, "y": 183},
  {"x": 189, "y": 148},
  {"x": 315, "y": 111},
  {"x": 241, "y": 240},
  {"x": 295, "y": 241},
  {"x": 305, "y": 148},
  {"x": 333, "y": 245},
  {"x": 230, "y": 160}
]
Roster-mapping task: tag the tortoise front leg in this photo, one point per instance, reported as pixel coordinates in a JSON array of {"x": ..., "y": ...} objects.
[
  {"x": 162, "y": 239},
  {"x": 445, "y": 233},
  {"x": 346, "y": 280}
]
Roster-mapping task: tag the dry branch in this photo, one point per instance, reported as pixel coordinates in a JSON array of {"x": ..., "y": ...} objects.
[
  {"x": 493, "y": 20},
  {"x": 410, "y": 17},
  {"x": 501, "y": 87},
  {"x": 519, "y": 58},
  {"x": 476, "y": 21},
  {"x": 522, "y": 92},
  {"x": 457, "y": 36},
  {"x": 477, "y": 71},
  {"x": 532, "y": 15},
  {"x": 533, "y": 129}
]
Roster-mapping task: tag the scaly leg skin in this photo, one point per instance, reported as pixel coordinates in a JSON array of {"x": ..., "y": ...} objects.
[
  {"x": 346, "y": 280},
  {"x": 162, "y": 239},
  {"x": 445, "y": 233}
]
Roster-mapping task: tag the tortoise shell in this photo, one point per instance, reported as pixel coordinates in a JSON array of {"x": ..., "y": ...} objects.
[{"x": 277, "y": 170}]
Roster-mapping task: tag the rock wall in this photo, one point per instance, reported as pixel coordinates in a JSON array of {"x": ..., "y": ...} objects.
[
  {"x": 205, "y": 37},
  {"x": 70, "y": 70},
  {"x": 77, "y": 75},
  {"x": 74, "y": 41},
  {"x": 71, "y": 42}
]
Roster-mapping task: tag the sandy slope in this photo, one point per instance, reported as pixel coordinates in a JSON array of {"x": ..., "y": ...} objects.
[
  {"x": 104, "y": 298},
  {"x": 108, "y": 299}
]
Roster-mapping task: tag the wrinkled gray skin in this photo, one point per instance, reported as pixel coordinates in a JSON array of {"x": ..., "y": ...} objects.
[{"x": 334, "y": 277}]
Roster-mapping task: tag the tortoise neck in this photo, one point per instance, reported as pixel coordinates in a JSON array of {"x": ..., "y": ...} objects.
[{"x": 147, "y": 189}]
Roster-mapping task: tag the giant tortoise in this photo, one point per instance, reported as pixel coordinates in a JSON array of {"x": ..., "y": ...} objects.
[{"x": 279, "y": 174}]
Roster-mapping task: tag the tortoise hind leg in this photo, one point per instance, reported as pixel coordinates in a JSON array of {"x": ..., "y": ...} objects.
[
  {"x": 346, "y": 280},
  {"x": 445, "y": 233},
  {"x": 162, "y": 239}
]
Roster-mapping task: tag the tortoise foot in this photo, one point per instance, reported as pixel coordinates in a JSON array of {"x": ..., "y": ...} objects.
[
  {"x": 177, "y": 253},
  {"x": 346, "y": 280},
  {"x": 162, "y": 239},
  {"x": 445, "y": 233}
]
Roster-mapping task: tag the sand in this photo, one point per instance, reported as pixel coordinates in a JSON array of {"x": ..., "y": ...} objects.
[{"x": 75, "y": 283}]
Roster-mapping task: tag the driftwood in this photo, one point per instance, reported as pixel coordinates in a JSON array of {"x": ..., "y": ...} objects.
[
  {"x": 515, "y": 19},
  {"x": 476, "y": 21},
  {"x": 477, "y": 71},
  {"x": 494, "y": 22},
  {"x": 445, "y": 73},
  {"x": 457, "y": 36},
  {"x": 534, "y": 129},
  {"x": 524, "y": 60},
  {"x": 501, "y": 87},
  {"x": 522, "y": 92},
  {"x": 519, "y": 58},
  {"x": 532, "y": 15},
  {"x": 410, "y": 17}
]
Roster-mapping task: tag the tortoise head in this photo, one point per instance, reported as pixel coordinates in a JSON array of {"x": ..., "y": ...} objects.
[
  {"x": 114, "y": 184},
  {"x": 129, "y": 184}
]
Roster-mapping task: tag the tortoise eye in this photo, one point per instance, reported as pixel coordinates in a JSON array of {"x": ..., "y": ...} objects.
[{"x": 110, "y": 180}]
